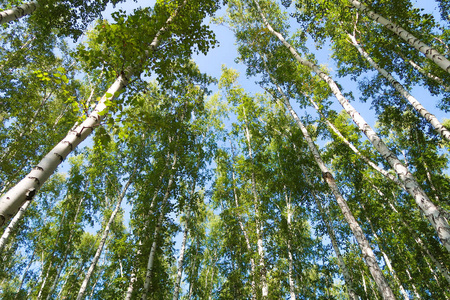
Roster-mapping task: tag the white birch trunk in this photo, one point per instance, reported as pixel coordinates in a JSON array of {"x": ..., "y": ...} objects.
[
  {"x": 180, "y": 264},
  {"x": 433, "y": 214},
  {"x": 291, "y": 260},
  {"x": 99, "y": 251},
  {"x": 414, "y": 102},
  {"x": 347, "y": 277},
  {"x": 426, "y": 74},
  {"x": 151, "y": 257},
  {"x": 18, "y": 12},
  {"x": 352, "y": 147},
  {"x": 247, "y": 239},
  {"x": 27, "y": 187},
  {"x": 386, "y": 258},
  {"x": 429, "y": 52},
  {"x": 12, "y": 225},
  {"x": 416, "y": 294},
  {"x": 363, "y": 243},
  {"x": 262, "y": 265},
  {"x": 441, "y": 267}
]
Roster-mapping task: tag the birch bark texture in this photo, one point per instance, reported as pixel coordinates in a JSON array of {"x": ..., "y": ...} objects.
[
  {"x": 18, "y": 12},
  {"x": 431, "y": 211},
  {"x": 402, "y": 90},
  {"x": 105, "y": 234},
  {"x": 429, "y": 52},
  {"x": 28, "y": 186},
  {"x": 364, "y": 245}
]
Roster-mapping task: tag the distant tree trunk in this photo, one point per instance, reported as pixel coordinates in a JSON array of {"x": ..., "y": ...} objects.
[
  {"x": 256, "y": 202},
  {"x": 24, "y": 276},
  {"x": 290, "y": 258},
  {"x": 18, "y": 12},
  {"x": 180, "y": 262},
  {"x": 425, "y": 73},
  {"x": 148, "y": 274},
  {"x": 12, "y": 225},
  {"x": 244, "y": 232},
  {"x": 430, "y": 210},
  {"x": 364, "y": 245},
  {"x": 99, "y": 251},
  {"x": 347, "y": 277},
  {"x": 413, "y": 101},
  {"x": 429, "y": 52},
  {"x": 385, "y": 257}
]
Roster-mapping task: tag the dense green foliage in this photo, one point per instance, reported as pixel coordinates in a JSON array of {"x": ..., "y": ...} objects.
[{"x": 184, "y": 154}]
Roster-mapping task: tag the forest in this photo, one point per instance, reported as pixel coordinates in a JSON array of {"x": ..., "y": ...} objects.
[{"x": 127, "y": 172}]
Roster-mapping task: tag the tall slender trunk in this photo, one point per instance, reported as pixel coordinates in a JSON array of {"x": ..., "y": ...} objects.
[
  {"x": 351, "y": 146},
  {"x": 148, "y": 274},
  {"x": 256, "y": 202},
  {"x": 433, "y": 214},
  {"x": 414, "y": 102},
  {"x": 416, "y": 294},
  {"x": 289, "y": 247},
  {"x": 385, "y": 257},
  {"x": 28, "y": 186},
  {"x": 99, "y": 251},
  {"x": 244, "y": 232},
  {"x": 18, "y": 12},
  {"x": 24, "y": 276},
  {"x": 12, "y": 225},
  {"x": 364, "y": 245},
  {"x": 441, "y": 267},
  {"x": 340, "y": 260},
  {"x": 429, "y": 52},
  {"x": 180, "y": 263},
  {"x": 425, "y": 73}
]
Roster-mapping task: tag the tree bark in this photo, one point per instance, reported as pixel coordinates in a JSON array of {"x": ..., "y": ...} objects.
[
  {"x": 18, "y": 12},
  {"x": 256, "y": 202},
  {"x": 402, "y": 91},
  {"x": 180, "y": 263},
  {"x": 433, "y": 214},
  {"x": 151, "y": 257},
  {"x": 28, "y": 186},
  {"x": 99, "y": 251},
  {"x": 347, "y": 277},
  {"x": 363, "y": 243},
  {"x": 429, "y": 52},
  {"x": 12, "y": 225},
  {"x": 351, "y": 146}
]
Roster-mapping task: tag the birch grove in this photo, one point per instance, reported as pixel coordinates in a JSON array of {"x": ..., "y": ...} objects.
[{"x": 320, "y": 174}]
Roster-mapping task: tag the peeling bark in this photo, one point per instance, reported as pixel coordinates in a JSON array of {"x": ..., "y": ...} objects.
[{"x": 18, "y": 12}]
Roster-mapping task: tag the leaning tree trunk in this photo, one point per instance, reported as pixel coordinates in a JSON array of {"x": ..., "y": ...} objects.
[
  {"x": 12, "y": 225},
  {"x": 99, "y": 251},
  {"x": 430, "y": 210},
  {"x": 18, "y": 12},
  {"x": 429, "y": 52},
  {"x": 363, "y": 243},
  {"x": 384, "y": 173},
  {"x": 28, "y": 186},
  {"x": 402, "y": 91},
  {"x": 340, "y": 260}
]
